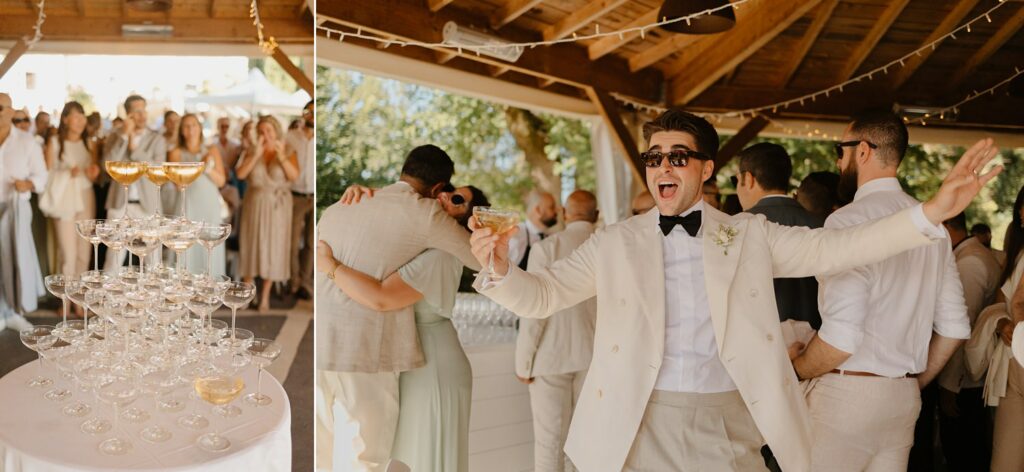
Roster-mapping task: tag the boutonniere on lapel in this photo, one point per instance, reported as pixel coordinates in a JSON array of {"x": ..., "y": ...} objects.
[{"x": 723, "y": 236}]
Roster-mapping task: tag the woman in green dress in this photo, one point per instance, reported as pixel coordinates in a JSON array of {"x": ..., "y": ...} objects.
[{"x": 434, "y": 400}]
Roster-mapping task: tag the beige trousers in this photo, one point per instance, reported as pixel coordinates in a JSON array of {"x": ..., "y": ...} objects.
[
  {"x": 75, "y": 252},
  {"x": 356, "y": 419},
  {"x": 302, "y": 243},
  {"x": 698, "y": 432},
  {"x": 552, "y": 400},
  {"x": 1008, "y": 436},
  {"x": 862, "y": 423}
]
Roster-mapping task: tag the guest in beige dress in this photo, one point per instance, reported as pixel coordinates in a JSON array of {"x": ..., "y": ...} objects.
[{"x": 268, "y": 169}]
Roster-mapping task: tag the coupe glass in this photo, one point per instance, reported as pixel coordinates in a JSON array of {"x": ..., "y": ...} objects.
[
  {"x": 119, "y": 392},
  {"x": 238, "y": 295},
  {"x": 39, "y": 338},
  {"x": 57, "y": 286},
  {"x": 217, "y": 390},
  {"x": 179, "y": 236},
  {"x": 156, "y": 175},
  {"x": 182, "y": 174},
  {"x": 497, "y": 220},
  {"x": 125, "y": 173},
  {"x": 158, "y": 382},
  {"x": 211, "y": 236},
  {"x": 264, "y": 352},
  {"x": 189, "y": 372},
  {"x": 87, "y": 230},
  {"x": 91, "y": 374}
]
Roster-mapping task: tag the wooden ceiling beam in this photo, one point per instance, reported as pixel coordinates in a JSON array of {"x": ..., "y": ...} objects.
[
  {"x": 80, "y": 8},
  {"x": 611, "y": 113},
  {"x": 12, "y": 56},
  {"x": 240, "y": 30},
  {"x": 497, "y": 71},
  {"x": 580, "y": 18},
  {"x": 436, "y": 5},
  {"x": 565, "y": 63},
  {"x": 821, "y": 15},
  {"x": 983, "y": 54},
  {"x": 609, "y": 44},
  {"x": 950, "y": 21},
  {"x": 442, "y": 56},
  {"x": 735, "y": 144},
  {"x": 293, "y": 71},
  {"x": 510, "y": 10},
  {"x": 666, "y": 47},
  {"x": 878, "y": 30},
  {"x": 707, "y": 60}
]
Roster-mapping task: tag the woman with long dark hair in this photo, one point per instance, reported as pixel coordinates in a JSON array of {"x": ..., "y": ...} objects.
[
  {"x": 1008, "y": 433},
  {"x": 72, "y": 158}
]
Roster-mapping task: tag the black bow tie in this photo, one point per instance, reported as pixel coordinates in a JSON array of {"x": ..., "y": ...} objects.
[{"x": 691, "y": 223}]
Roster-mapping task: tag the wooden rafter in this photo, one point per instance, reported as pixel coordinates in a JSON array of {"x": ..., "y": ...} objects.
[
  {"x": 442, "y": 56},
  {"x": 673, "y": 43},
  {"x": 510, "y": 10},
  {"x": 821, "y": 14},
  {"x": 611, "y": 113},
  {"x": 950, "y": 21},
  {"x": 437, "y": 5},
  {"x": 80, "y": 8},
  {"x": 497, "y": 71},
  {"x": 293, "y": 71},
  {"x": 983, "y": 54},
  {"x": 239, "y": 30},
  {"x": 707, "y": 60},
  {"x": 566, "y": 64},
  {"x": 579, "y": 18},
  {"x": 12, "y": 56},
  {"x": 735, "y": 144},
  {"x": 609, "y": 44},
  {"x": 863, "y": 50}
]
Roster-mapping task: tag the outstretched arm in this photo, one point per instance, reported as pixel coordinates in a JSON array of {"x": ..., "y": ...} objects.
[{"x": 391, "y": 294}]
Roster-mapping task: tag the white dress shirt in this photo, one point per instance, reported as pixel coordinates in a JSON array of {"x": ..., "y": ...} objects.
[
  {"x": 691, "y": 362},
  {"x": 517, "y": 245},
  {"x": 884, "y": 313},
  {"x": 304, "y": 154},
  {"x": 21, "y": 159}
]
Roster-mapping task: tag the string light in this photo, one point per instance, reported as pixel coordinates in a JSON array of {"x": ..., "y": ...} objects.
[
  {"x": 38, "y": 28},
  {"x": 267, "y": 43}
]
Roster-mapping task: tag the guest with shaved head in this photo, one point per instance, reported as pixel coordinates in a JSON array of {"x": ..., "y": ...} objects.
[{"x": 541, "y": 217}]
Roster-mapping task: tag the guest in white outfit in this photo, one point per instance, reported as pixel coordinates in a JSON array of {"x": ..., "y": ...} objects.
[
  {"x": 887, "y": 328},
  {"x": 22, "y": 172},
  {"x": 690, "y": 370},
  {"x": 541, "y": 217},
  {"x": 553, "y": 354},
  {"x": 964, "y": 422},
  {"x": 71, "y": 157},
  {"x": 303, "y": 205},
  {"x": 134, "y": 142}
]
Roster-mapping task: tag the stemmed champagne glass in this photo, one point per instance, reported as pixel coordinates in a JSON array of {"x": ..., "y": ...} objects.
[
  {"x": 237, "y": 295},
  {"x": 182, "y": 174},
  {"x": 39, "y": 338},
  {"x": 143, "y": 238},
  {"x": 125, "y": 173},
  {"x": 155, "y": 174},
  {"x": 91, "y": 373},
  {"x": 264, "y": 352},
  {"x": 57, "y": 354},
  {"x": 87, "y": 230},
  {"x": 191, "y": 371},
  {"x": 79, "y": 408},
  {"x": 112, "y": 233},
  {"x": 217, "y": 390},
  {"x": 158, "y": 381},
  {"x": 211, "y": 236},
  {"x": 179, "y": 236},
  {"x": 57, "y": 284},
  {"x": 498, "y": 221},
  {"x": 119, "y": 392}
]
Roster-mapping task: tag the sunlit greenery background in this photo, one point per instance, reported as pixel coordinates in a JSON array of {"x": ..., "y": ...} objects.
[{"x": 366, "y": 125}]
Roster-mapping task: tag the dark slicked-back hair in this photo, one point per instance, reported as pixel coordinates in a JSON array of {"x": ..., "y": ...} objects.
[
  {"x": 769, "y": 164},
  {"x": 980, "y": 228},
  {"x": 884, "y": 129},
  {"x": 429, "y": 164},
  {"x": 131, "y": 99},
  {"x": 958, "y": 222},
  {"x": 1014, "y": 239},
  {"x": 675, "y": 119}
]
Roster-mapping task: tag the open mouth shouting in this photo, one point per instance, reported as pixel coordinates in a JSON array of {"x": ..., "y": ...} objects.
[{"x": 667, "y": 189}]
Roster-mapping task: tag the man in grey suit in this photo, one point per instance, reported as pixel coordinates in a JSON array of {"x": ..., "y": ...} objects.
[
  {"x": 553, "y": 354},
  {"x": 763, "y": 181},
  {"x": 134, "y": 142}
]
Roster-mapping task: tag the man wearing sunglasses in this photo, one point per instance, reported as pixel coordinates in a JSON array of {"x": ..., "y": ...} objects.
[
  {"x": 22, "y": 121},
  {"x": 22, "y": 172},
  {"x": 690, "y": 370},
  {"x": 887, "y": 328}
]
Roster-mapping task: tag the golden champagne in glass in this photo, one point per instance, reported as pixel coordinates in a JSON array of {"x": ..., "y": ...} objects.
[
  {"x": 125, "y": 172},
  {"x": 182, "y": 174},
  {"x": 219, "y": 390},
  {"x": 157, "y": 175},
  {"x": 497, "y": 220}
]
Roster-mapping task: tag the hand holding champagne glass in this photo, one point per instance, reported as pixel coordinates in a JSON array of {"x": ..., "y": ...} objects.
[{"x": 492, "y": 229}]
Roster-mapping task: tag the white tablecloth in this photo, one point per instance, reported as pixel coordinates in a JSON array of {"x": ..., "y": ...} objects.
[{"x": 36, "y": 437}]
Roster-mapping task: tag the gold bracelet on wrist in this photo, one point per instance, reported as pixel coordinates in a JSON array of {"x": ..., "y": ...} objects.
[{"x": 331, "y": 274}]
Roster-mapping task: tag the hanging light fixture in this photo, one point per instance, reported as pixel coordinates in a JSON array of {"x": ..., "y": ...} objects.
[
  {"x": 715, "y": 22},
  {"x": 149, "y": 5}
]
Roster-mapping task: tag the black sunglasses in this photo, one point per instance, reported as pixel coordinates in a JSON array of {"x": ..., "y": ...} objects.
[
  {"x": 456, "y": 199},
  {"x": 840, "y": 146},
  {"x": 676, "y": 157},
  {"x": 20, "y": 120}
]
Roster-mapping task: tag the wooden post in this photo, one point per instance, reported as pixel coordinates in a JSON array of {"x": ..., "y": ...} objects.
[
  {"x": 12, "y": 56},
  {"x": 612, "y": 115},
  {"x": 735, "y": 144},
  {"x": 293, "y": 70}
]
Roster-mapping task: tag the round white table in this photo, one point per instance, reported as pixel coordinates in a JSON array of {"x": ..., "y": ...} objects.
[{"x": 36, "y": 437}]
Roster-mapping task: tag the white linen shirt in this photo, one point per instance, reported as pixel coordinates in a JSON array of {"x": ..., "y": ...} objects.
[
  {"x": 691, "y": 362},
  {"x": 21, "y": 158},
  {"x": 304, "y": 155},
  {"x": 883, "y": 314},
  {"x": 518, "y": 243}
]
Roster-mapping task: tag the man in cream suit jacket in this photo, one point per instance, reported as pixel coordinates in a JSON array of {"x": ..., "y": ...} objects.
[
  {"x": 360, "y": 351},
  {"x": 135, "y": 142},
  {"x": 553, "y": 354},
  {"x": 689, "y": 369}
]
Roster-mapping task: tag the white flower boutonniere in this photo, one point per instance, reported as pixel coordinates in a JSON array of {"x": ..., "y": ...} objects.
[{"x": 723, "y": 237}]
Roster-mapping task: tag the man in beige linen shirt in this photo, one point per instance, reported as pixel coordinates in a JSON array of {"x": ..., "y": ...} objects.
[
  {"x": 553, "y": 354},
  {"x": 360, "y": 352},
  {"x": 689, "y": 366}
]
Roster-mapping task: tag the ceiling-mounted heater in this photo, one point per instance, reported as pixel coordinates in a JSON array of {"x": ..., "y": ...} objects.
[{"x": 477, "y": 42}]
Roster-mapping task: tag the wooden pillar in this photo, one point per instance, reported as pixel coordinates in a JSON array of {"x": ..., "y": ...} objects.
[
  {"x": 12, "y": 56},
  {"x": 293, "y": 70},
  {"x": 736, "y": 143},
  {"x": 611, "y": 112}
]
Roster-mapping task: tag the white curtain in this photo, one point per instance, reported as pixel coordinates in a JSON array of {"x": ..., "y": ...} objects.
[{"x": 614, "y": 177}]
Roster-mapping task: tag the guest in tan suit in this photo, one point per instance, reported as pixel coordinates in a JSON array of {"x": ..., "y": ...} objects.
[
  {"x": 553, "y": 354},
  {"x": 690, "y": 370},
  {"x": 964, "y": 422},
  {"x": 360, "y": 352}
]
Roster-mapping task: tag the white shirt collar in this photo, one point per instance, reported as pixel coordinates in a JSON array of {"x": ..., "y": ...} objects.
[
  {"x": 532, "y": 228},
  {"x": 774, "y": 195},
  {"x": 884, "y": 184},
  {"x": 699, "y": 206}
]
